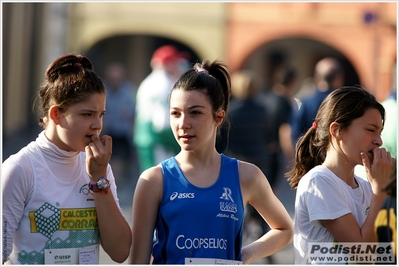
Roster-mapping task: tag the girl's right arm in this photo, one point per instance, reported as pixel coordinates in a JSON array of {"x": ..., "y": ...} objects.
[
  {"x": 16, "y": 187},
  {"x": 346, "y": 228},
  {"x": 147, "y": 198}
]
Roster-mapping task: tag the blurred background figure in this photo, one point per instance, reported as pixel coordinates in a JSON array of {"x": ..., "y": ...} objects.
[
  {"x": 385, "y": 225},
  {"x": 246, "y": 139},
  {"x": 119, "y": 120},
  {"x": 389, "y": 134},
  {"x": 279, "y": 104},
  {"x": 153, "y": 137},
  {"x": 328, "y": 75},
  {"x": 247, "y": 136}
]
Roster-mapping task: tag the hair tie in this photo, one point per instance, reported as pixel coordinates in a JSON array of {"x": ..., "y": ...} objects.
[
  {"x": 314, "y": 125},
  {"x": 202, "y": 70},
  {"x": 78, "y": 64}
]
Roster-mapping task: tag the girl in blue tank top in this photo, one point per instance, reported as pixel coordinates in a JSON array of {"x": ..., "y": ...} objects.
[{"x": 189, "y": 209}]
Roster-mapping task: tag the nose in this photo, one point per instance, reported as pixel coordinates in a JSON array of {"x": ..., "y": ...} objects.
[
  {"x": 184, "y": 122},
  {"x": 97, "y": 123},
  {"x": 378, "y": 140}
]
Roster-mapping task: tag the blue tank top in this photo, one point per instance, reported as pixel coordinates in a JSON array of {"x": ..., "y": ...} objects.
[{"x": 196, "y": 222}]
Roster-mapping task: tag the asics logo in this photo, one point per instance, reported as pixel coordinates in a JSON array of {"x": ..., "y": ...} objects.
[{"x": 181, "y": 195}]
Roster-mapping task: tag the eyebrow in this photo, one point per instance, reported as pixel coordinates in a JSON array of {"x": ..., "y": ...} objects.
[
  {"x": 375, "y": 126},
  {"x": 196, "y": 106},
  {"x": 91, "y": 110},
  {"x": 190, "y": 107}
]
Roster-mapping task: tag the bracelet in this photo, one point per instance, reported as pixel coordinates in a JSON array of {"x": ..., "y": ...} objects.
[{"x": 103, "y": 191}]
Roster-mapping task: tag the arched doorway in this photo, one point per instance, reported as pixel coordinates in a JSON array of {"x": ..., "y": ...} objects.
[
  {"x": 133, "y": 51},
  {"x": 302, "y": 53}
]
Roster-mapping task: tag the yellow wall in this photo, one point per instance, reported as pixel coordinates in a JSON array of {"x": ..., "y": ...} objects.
[{"x": 201, "y": 26}]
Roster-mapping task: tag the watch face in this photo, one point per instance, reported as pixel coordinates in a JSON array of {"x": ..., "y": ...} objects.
[{"x": 103, "y": 183}]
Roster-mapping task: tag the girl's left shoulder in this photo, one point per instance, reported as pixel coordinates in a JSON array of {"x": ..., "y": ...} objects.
[{"x": 249, "y": 172}]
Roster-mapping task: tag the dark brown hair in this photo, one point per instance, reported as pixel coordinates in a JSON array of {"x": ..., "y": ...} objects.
[
  {"x": 213, "y": 79},
  {"x": 70, "y": 79}
]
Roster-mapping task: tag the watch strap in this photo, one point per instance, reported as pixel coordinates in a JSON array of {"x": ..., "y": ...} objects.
[
  {"x": 97, "y": 190},
  {"x": 102, "y": 185}
]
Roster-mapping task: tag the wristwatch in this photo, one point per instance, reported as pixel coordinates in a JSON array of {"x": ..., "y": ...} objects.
[{"x": 101, "y": 185}]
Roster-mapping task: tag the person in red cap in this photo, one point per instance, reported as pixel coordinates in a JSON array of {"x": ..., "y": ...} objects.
[{"x": 153, "y": 137}]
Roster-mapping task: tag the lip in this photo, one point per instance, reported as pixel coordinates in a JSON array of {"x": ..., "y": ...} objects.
[
  {"x": 370, "y": 151},
  {"x": 89, "y": 136},
  {"x": 186, "y": 137},
  {"x": 87, "y": 140},
  {"x": 370, "y": 155}
]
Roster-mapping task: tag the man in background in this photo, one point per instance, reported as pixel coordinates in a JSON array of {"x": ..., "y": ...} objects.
[
  {"x": 153, "y": 137},
  {"x": 328, "y": 76},
  {"x": 119, "y": 119}
]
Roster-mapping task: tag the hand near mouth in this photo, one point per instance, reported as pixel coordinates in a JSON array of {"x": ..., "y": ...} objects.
[
  {"x": 379, "y": 169},
  {"x": 98, "y": 154}
]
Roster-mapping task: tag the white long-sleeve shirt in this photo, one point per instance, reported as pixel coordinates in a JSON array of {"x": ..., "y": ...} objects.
[{"x": 46, "y": 202}]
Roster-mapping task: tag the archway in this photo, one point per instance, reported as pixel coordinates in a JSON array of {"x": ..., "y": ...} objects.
[
  {"x": 133, "y": 51},
  {"x": 302, "y": 53}
]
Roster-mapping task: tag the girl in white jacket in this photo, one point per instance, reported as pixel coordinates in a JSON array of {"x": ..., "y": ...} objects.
[{"x": 59, "y": 193}]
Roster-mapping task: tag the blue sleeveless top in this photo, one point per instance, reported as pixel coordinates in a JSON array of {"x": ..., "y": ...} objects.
[{"x": 196, "y": 222}]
